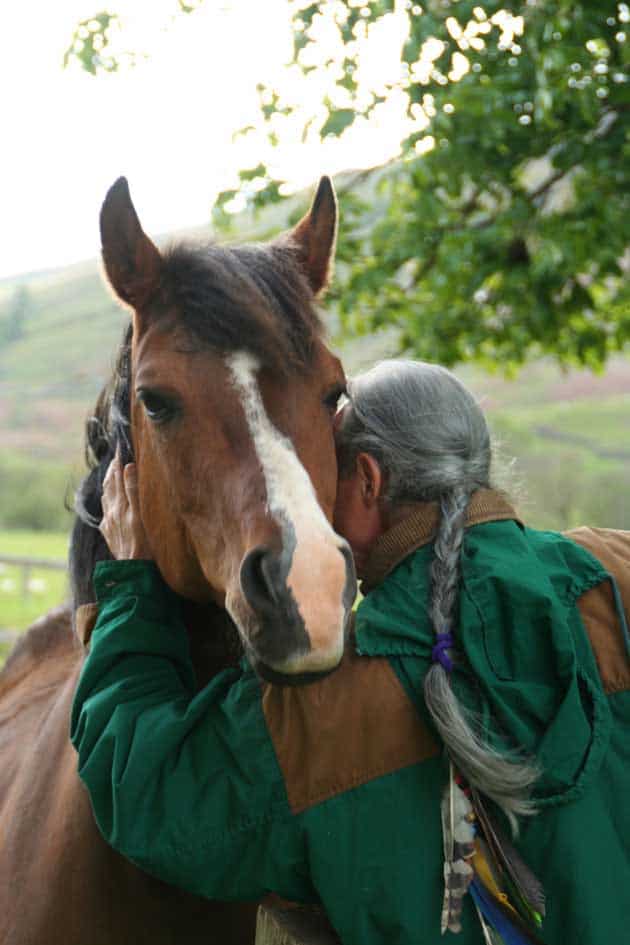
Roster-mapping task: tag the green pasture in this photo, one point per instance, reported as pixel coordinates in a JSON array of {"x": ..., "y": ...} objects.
[
  {"x": 24, "y": 600},
  {"x": 36, "y": 492},
  {"x": 566, "y": 463}
]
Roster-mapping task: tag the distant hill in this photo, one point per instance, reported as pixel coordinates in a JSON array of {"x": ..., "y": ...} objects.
[
  {"x": 59, "y": 332},
  {"x": 51, "y": 374}
]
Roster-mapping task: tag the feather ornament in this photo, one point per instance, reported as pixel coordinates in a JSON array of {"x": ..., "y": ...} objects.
[
  {"x": 502, "y": 919},
  {"x": 490, "y": 935},
  {"x": 480, "y": 859},
  {"x": 458, "y": 835},
  {"x": 524, "y": 888}
]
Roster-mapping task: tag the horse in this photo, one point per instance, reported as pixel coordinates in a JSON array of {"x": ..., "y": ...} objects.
[{"x": 223, "y": 394}]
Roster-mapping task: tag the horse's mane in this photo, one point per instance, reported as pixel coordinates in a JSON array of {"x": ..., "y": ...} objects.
[
  {"x": 252, "y": 298},
  {"x": 107, "y": 427}
]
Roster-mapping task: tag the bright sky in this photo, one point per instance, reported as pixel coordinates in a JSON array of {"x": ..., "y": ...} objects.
[{"x": 166, "y": 125}]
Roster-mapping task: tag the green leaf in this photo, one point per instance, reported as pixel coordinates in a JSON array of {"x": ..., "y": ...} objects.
[
  {"x": 253, "y": 172},
  {"x": 337, "y": 121}
]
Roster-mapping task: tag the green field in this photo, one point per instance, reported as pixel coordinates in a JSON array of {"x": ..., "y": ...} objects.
[{"x": 24, "y": 600}]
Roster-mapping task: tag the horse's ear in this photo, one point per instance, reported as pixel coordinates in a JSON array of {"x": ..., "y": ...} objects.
[
  {"x": 132, "y": 262},
  {"x": 315, "y": 236}
]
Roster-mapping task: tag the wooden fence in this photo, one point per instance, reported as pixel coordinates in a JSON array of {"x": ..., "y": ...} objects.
[
  {"x": 304, "y": 925},
  {"x": 27, "y": 565}
]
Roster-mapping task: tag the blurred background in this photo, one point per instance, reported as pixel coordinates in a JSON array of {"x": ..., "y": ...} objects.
[{"x": 480, "y": 153}]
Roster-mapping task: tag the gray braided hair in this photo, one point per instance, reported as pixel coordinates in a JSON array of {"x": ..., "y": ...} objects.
[{"x": 431, "y": 440}]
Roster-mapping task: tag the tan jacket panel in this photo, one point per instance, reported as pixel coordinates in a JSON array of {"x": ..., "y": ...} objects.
[
  {"x": 358, "y": 723},
  {"x": 597, "y": 606}
]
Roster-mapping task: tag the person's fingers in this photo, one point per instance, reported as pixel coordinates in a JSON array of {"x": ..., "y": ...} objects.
[
  {"x": 118, "y": 475},
  {"x": 113, "y": 484},
  {"x": 130, "y": 476},
  {"x": 130, "y": 479},
  {"x": 109, "y": 472},
  {"x": 111, "y": 469},
  {"x": 108, "y": 485}
]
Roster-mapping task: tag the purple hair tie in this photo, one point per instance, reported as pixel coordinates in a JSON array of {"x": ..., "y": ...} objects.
[{"x": 443, "y": 642}]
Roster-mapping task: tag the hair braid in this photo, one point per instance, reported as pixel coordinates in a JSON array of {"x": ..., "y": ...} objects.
[
  {"x": 446, "y": 563},
  {"x": 430, "y": 437},
  {"x": 507, "y": 781}
]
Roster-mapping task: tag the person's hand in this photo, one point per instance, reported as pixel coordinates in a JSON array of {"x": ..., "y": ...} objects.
[{"x": 121, "y": 525}]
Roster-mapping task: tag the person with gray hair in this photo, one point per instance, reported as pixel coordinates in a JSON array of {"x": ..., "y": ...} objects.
[
  {"x": 412, "y": 438},
  {"x": 486, "y": 684},
  {"x": 412, "y": 433}
]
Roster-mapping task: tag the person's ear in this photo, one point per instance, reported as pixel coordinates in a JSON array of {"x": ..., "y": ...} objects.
[{"x": 371, "y": 479}]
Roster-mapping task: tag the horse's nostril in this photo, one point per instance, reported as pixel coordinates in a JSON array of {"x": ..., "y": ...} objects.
[{"x": 261, "y": 580}]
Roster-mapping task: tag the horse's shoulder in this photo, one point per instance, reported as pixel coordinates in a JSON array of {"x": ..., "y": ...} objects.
[{"x": 36, "y": 680}]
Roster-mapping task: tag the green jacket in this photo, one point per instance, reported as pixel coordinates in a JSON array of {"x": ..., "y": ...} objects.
[{"x": 330, "y": 792}]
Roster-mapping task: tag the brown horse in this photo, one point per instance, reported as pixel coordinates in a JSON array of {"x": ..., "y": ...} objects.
[{"x": 224, "y": 394}]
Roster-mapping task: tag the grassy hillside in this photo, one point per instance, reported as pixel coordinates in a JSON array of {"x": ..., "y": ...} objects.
[
  {"x": 569, "y": 431},
  {"x": 51, "y": 374}
]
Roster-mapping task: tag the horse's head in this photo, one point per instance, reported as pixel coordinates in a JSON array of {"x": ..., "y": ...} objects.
[{"x": 232, "y": 394}]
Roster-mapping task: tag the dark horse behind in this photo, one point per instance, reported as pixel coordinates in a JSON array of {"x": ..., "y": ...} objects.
[{"x": 224, "y": 394}]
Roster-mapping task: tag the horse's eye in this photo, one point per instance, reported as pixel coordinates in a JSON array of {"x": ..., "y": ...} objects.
[
  {"x": 159, "y": 407},
  {"x": 332, "y": 398}
]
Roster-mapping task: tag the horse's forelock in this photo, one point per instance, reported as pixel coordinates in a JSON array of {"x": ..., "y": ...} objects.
[{"x": 251, "y": 298}]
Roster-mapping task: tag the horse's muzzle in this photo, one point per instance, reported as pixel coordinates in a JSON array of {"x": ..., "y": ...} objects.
[{"x": 298, "y": 631}]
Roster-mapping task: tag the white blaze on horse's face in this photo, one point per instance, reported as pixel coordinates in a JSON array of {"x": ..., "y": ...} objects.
[{"x": 314, "y": 563}]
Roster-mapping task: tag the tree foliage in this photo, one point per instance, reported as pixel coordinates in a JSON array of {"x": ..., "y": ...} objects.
[{"x": 503, "y": 229}]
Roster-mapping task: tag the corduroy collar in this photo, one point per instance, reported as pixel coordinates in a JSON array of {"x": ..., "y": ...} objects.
[{"x": 486, "y": 505}]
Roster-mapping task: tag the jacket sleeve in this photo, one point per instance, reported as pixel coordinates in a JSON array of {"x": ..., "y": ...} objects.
[
  {"x": 612, "y": 548},
  {"x": 605, "y": 609},
  {"x": 184, "y": 784}
]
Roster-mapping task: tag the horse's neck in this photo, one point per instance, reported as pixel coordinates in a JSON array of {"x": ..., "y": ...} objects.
[
  {"x": 213, "y": 639},
  {"x": 60, "y": 884}
]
